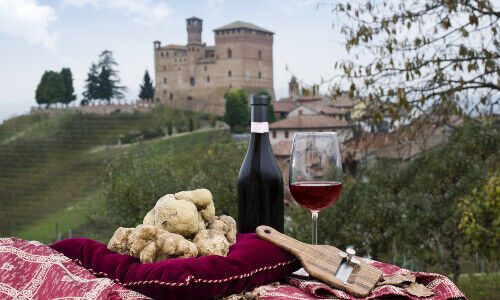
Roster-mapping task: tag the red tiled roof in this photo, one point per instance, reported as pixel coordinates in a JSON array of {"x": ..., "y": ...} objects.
[
  {"x": 309, "y": 122},
  {"x": 345, "y": 101},
  {"x": 283, "y": 106},
  {"x": 321, "y": 107},
  {"x": 240, "y": 24}
]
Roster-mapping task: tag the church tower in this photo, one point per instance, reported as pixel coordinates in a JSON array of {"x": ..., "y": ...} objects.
[{"x": 293, "y": 88}]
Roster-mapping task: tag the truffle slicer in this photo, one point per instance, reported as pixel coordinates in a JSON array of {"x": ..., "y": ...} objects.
[{"x": 340, "y": 269}]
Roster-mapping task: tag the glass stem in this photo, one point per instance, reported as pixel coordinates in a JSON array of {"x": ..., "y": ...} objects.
[{"x": 314, "y": 227}]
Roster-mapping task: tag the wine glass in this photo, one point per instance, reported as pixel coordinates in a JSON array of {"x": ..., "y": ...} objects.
[{"x": 315, "y": 172}]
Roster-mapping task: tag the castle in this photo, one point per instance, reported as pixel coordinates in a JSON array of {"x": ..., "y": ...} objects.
[{"x": 242, "y": 58}]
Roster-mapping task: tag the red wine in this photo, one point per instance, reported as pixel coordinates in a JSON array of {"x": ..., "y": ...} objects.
[
  {"x": 260, "y": 184},
  {"x": 316, "y": 195}
]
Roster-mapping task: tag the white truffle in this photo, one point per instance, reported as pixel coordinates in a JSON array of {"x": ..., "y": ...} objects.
[
  {"x": 211, "y": 242},
  {"x": 177, "y": 216},
  {"x": 149, "y": 219}
]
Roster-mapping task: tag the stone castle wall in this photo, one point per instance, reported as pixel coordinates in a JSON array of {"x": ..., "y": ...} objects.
[{"x": 241, "y": 58}]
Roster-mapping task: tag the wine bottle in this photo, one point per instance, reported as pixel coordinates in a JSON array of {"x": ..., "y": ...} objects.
[{"x": 260, "y": 184}]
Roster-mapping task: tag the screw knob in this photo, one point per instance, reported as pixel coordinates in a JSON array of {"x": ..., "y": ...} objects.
[{"x": 350, "y": 251}]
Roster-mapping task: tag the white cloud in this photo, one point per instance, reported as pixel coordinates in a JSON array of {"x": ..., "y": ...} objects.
[
  {"x": 29, "y": 20},
  {"x": 145, "y": 12}
]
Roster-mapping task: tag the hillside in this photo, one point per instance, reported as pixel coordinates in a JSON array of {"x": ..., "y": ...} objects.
[{"x": 52, "y": 164}]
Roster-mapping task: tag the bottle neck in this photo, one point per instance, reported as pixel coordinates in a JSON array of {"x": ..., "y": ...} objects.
[{"x": 259, "y": 122}]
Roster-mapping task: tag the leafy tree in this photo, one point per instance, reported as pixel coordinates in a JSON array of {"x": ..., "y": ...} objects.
[
  {"x": 421, "y": 54},
  {"x": 480, "y": 216},
  {"x": 147, "y": 89},
  {"x": 67, "y": 79},
  {"x": 50, "y": 89},
  {"x": 107, "y": 64},
  {"x": 91, "y": 91},
  {"x": 271, "y": 117},
  {"x": 237, "y": 114}
]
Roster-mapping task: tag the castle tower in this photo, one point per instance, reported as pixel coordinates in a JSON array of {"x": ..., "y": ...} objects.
[{"x": 194, "y": 27}]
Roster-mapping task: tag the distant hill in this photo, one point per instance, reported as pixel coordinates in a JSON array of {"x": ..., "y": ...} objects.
[{"x": 49, "y": 163}]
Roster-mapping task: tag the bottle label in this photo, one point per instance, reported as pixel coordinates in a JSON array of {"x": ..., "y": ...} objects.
[{"x": 259, "y": 127}]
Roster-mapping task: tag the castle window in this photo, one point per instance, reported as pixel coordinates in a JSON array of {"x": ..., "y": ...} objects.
[
  {"x": 229, "y": 53},
  {"x": 166, "y": 53},
  {"x": 274, "y": 134},
  {"x": 286, "y": 134},
  {"x": 229, "y": 73},
  {"x": 208, "y": 78},
  {"x": 191, "y": 81},
  {"x": 190, "y": 98},
  {"x": 175, "y": 53},
  {"x": 205, "y": 68},
  {"x": 164, "y": 91},
  {"x": 197, "y": 49},
  {"x": 260, "y": 54},
  {"x": 164, "y": 68},
  {"x": 162, "y": 54},
  {"x": 171, "y": 96},
  {"x": 260, "y": 75},
  {"x": 239, "y": 30},
  {"x": 165, "y": 80}
]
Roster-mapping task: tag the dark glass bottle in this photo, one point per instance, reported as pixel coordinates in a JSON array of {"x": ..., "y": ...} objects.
[{"x": 260, "y": 184}]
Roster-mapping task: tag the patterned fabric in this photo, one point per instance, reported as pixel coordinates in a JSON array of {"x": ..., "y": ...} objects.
[
  {"x": 31, "y": 270},
  {"x": 306, "y": 289}
]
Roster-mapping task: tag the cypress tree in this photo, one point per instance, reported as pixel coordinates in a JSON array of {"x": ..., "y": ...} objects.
[
  {"x": 67, "y": 79},
  {"x": 147, "y": 89}
]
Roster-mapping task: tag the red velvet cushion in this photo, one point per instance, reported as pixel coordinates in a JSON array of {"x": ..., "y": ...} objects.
[{"x": 251, "y": 261}]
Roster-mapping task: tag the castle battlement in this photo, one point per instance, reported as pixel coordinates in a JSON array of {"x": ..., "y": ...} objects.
[{"x": 242, "y": 57}]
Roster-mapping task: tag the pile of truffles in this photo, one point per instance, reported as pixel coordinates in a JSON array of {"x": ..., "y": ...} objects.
[{"x": 180, "y": 225}]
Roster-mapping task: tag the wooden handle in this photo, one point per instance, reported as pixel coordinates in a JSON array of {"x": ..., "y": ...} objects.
[{"x": 279, "y": 239}]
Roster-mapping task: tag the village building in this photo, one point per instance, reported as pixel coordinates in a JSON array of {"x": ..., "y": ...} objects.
[
  {"x": 241, "y": 58},
  {"x": 285, "y": 129}
]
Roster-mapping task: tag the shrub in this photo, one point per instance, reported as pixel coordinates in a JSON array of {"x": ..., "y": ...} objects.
[{"x": 135, "y": 181}]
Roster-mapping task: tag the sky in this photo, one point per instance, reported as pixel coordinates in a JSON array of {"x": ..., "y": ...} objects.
[{"x": 38, "y": 35}]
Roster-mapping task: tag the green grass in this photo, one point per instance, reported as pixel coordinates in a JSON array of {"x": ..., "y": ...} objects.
[
  {"x": 44, "y": 230},
  {"x": 480, "y": 286},
  {"x": 46, "y": 164}
]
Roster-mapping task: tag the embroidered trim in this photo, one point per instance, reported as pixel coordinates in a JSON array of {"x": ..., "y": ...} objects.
[{"x": 190, "y": 278}]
